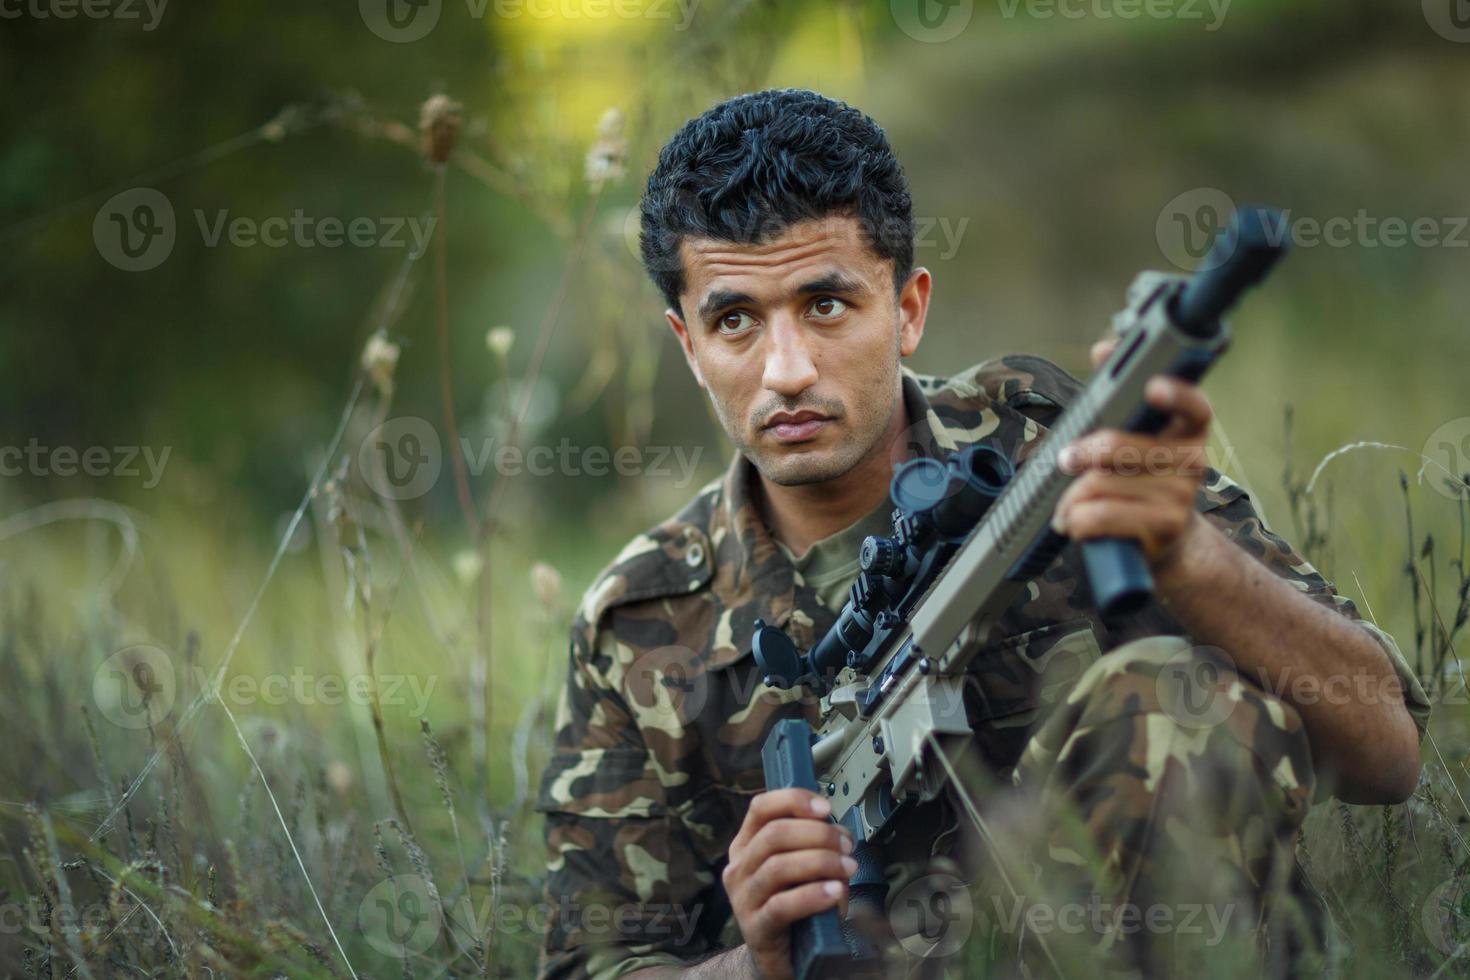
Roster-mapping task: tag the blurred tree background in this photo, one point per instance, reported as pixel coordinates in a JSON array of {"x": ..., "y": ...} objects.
[
  {"x": 1041, "y": 152},
  {"x": 1053, "y": 149}
]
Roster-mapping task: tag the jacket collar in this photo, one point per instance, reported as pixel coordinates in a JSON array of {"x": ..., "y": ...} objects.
[{"x": 754, "y": 579}]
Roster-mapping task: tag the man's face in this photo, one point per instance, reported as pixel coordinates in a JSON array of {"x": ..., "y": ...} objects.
[{"x": 798, "y": 340}]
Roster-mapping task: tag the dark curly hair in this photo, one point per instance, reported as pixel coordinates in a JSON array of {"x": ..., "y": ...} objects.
[{"x": 750, "y": 166}]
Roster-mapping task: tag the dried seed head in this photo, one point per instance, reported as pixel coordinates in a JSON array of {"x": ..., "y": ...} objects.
[
  {"x": 439, "y": 122},
  {"x": 467, "y": 565},
  {"x": 499, "y": 340},
  {"x": 339, "y": 777},
  {"x": 379, "y": 359},
  {"x": 610, "y": 125},
  {"x": 607, "y": 159},
  {"x": 545, "y": 583}
]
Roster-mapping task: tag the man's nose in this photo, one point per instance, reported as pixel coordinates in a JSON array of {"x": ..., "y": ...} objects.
[{"x": 790, "y": 369}]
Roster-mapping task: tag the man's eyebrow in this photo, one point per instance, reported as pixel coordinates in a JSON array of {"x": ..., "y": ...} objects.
[
  {"x": 719, "y": 299},
  {"x": 833, "y": 282}
]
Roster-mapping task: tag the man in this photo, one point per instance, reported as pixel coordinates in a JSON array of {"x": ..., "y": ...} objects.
[{"x": 778, "y": 227}]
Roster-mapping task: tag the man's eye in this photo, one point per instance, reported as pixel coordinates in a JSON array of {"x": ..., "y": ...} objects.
[
  {"x": 736, "y": 322},
  {"x": 828, "y": 307}
]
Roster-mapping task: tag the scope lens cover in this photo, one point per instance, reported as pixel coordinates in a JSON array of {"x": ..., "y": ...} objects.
[{"x": 919, "y": 485}]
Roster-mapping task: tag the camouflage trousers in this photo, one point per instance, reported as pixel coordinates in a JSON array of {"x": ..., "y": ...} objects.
[{"x": 1148, "y": 830}]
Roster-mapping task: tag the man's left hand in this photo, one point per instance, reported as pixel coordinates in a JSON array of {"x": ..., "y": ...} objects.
[{"x": 1132, "y": 485}]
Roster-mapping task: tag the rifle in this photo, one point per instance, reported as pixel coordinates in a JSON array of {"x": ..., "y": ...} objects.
[{"x": 969, "y": 533}]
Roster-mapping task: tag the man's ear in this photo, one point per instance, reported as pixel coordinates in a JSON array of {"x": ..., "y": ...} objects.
[
  {"x": 686, "y": 343},
  {"x": 913, "y": 307}
]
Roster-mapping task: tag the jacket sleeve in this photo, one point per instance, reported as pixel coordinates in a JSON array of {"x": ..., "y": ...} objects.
[
  {"x": 1041, "y": 390},
  {"x": 1229, "y": 507},
  {"x": 624, "y": 889}
]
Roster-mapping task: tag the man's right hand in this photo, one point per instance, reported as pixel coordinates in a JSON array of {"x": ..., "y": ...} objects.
[{"x": 787, "y": 862}]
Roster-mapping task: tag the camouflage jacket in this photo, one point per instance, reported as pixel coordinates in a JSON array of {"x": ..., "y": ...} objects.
[{"x": 661, "y": 722}]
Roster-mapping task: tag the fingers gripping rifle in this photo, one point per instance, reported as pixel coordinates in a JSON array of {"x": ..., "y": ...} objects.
[{"x": 969, "y": 533}]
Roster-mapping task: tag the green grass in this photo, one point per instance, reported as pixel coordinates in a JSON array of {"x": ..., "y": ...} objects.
[{"x": 197, "y": 869}]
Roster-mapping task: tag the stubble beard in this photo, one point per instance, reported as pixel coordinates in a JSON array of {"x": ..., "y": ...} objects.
[{"x": 795, "y": 467}]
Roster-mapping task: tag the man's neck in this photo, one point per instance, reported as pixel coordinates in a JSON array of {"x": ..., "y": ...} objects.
[{"x": 800, "y": 516}]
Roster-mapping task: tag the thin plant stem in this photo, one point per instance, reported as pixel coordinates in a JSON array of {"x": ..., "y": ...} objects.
[{"x": 446, "y": 375}]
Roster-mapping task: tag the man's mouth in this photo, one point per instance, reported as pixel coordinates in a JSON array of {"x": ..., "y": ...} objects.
[{"x": 791, "y": 427}]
